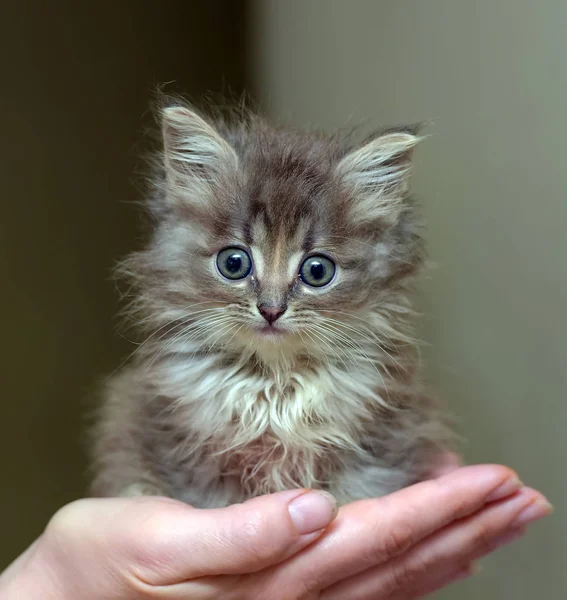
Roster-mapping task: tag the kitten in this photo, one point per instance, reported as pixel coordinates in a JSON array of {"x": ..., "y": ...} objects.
[{"x": 273, "y": 298}]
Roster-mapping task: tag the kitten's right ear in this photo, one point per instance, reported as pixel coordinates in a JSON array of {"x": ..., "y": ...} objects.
[{"x": 194, "y": 152}]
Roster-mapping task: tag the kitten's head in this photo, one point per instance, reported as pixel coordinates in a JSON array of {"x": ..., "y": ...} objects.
[{"x": 277, "y": 243}]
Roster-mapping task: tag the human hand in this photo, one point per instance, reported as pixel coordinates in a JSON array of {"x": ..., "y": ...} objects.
[
  {"x": 413, "y": 542},
  {"x": 401, "y": 546}
]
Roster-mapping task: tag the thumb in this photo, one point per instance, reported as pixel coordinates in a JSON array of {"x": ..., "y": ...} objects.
[{"x": 184, "y": 543}]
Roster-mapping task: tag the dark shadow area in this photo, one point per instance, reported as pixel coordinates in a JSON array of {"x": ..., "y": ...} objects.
[{"x": 77, "y": 81}]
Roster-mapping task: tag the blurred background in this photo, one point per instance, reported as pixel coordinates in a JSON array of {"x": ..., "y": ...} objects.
[{"x": 491, "y": 75}]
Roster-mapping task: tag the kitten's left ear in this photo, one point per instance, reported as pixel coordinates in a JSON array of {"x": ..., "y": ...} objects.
[
  {"x": 378, "y": 174},
  {"x": 193, "y": 148}
]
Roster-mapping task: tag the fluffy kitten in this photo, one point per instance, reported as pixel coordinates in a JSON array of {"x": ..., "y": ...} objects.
[{"x": 273, "y": 299}]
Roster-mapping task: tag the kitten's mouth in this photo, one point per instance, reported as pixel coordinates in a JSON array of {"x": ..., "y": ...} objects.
[{"x": 271, "y": 331}]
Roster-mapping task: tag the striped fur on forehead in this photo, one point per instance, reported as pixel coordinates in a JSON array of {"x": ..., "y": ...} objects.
[
  {"x": 290, "y": 179},
  {"x": 278, "y": 247},
  {"x": 232, "y": 170}
]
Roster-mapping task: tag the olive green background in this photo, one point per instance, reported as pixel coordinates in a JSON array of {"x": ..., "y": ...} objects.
[
  {"x": 492, "y": 75},
  {"x": 76, "y": 83}
]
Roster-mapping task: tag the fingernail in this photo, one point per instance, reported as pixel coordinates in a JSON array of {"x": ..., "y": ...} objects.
[
  {"x": 533, "y": 512},
  {"x": 504, "y": 490},
  {"x": 312, "y": 511}
]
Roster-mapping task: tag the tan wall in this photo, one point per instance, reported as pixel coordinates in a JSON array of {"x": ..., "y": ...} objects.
[
  {"x": 76, "y": 80},
  {"x": 493, "y": 76}
]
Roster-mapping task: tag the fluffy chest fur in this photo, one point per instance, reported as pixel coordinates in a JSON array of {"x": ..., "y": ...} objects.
[{"x": 293, "y": 425}]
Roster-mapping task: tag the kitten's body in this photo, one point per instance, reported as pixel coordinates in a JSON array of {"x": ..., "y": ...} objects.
[{"x": 217, "y": 406}]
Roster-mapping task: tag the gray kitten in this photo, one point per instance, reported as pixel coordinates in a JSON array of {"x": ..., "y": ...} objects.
[{"x": 273, "y": 301}]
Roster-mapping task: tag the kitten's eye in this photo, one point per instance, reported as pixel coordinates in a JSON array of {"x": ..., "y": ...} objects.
[
  {"x": 317, "y": 271},
  {"x": 234, "y": 263}
]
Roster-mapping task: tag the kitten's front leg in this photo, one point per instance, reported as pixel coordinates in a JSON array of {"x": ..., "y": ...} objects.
[{"x": 420, "y": 449}]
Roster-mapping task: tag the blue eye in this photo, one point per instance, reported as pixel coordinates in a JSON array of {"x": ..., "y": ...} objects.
[
  {"x": 234, "y": 263},
  {"x": 317, "y": 271}
]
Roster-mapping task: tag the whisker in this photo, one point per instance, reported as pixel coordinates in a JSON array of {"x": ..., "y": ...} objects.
[
  {"x": 189, "y": 333},
  {"x": 375, "y": 342},
  {"x": 398, "y": 334},
  {"x": 324, "y": 340},
  {"x": 358, "y": 351}
]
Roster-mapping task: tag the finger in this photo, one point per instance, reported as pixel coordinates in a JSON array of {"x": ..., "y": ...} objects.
[
  {"x": 370, "y": 532},
  {"x": 186, "y": 543},
  {"x": 160, "y": 542},
  {"x": 437, "y": 559},
  {"x": 456, "y": 576}
]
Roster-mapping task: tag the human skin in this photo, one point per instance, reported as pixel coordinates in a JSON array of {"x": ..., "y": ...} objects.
[{"x": 286, "y": 546}]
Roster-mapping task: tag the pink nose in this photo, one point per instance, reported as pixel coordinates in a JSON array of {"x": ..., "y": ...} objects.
[{"x": 271, "y": 313}]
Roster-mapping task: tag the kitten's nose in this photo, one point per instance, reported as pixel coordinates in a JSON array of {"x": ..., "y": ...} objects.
[{"x": 271, "y": 313}]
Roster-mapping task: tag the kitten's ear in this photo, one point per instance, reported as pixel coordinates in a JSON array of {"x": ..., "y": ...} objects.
[
  {"x": 378, "y": 174},
  {"x": 193, "y": 148}
]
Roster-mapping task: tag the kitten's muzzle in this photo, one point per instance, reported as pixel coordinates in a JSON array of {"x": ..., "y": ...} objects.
[{"x": 271, "y": 312}]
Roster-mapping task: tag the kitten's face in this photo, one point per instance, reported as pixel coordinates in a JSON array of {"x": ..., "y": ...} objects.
[{"x": 276, "y": 242}]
